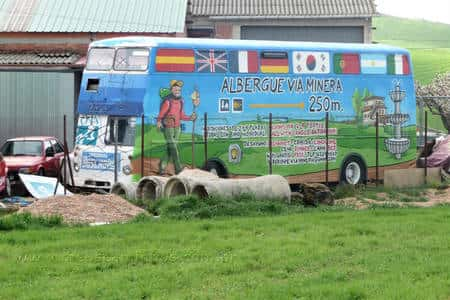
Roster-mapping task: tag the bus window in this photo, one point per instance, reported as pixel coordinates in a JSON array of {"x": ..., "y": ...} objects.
[
  {"x": 131, "y": 59},
  {"x": 126, "y": 129},
  {"x": 100, "y": 59}
]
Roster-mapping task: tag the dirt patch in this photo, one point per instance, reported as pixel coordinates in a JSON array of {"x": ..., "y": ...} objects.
[
  {"x": 86, "y": 209},
  {"x": 433, "y": 196},
  {"x": 151, "y": 166}
]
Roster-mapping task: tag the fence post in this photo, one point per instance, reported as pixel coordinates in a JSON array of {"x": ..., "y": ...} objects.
[
  {"x": 270, "y": 143},
  {"x": 65, "y": 154},
  {"x": 326, "y": 146},
  {"x": 425, "y": 144},
  {"x": 421, "y": 121},
  {"x": 142, "y": 144},
  {"x": 205, "y": 136},
  {"x": 116, "y": 134},
  {"x": 377, "y": 149}
]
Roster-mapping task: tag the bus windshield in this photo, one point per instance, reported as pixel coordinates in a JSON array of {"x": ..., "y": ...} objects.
[
  {"x": 100, "y": 59},
  {"x": 131, "y": 59}
]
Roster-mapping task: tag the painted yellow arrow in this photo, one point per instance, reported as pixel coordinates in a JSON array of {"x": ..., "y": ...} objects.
[{"x": 278, "y": 105}]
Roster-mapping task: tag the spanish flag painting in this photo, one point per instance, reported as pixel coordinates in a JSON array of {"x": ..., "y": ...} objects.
[
  {"x": 274, "y": 62},
  {"x": 175, "y": 60}
]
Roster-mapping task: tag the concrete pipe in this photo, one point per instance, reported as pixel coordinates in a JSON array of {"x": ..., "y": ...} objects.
[
  {"x": 177, "y": 186},
  {"x": 273, "y": 187},
  {"x": 125, "y": 190},
  {"x": 181, "y": 184},
  {"x": 197, "y": 174},
  {"x": 151, "y": 187}
]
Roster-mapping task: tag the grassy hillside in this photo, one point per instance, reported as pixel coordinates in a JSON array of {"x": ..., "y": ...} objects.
[
  {"x": 410, "y": 33},
  {"x": 428, "y": 42}
]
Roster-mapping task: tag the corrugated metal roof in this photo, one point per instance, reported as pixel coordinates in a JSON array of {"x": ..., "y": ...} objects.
[
  {"x": 66, "y": 58},
  {"x": 283, "y": 8},
  {"x": 156, "y": 16}
]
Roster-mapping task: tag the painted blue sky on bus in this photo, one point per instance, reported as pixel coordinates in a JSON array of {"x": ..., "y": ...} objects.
[{"x": 240, "y": 96}]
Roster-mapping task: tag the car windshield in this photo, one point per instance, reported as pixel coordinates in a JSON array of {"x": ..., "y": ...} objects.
[{"x": 19, "y": 148}]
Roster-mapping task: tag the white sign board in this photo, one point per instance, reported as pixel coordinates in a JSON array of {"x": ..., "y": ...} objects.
[{"x": 41, "y": 187}]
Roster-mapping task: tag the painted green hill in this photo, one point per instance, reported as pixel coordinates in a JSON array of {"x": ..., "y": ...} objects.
[{"x": 428, "y": 42}]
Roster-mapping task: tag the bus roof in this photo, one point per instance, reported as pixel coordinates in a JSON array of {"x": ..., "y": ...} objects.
[{"x": 142, "y": 41}]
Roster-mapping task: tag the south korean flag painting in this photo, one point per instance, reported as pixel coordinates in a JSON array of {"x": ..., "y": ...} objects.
[{"x": 309, "y": 62}]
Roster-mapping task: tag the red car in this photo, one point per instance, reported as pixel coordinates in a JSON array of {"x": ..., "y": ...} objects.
[
  {"x": 39, "y": 155},
  {"x": 5, "y": 188}
]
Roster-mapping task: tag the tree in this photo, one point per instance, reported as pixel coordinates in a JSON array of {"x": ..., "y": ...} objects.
[
  {"x": 439, "y": 86},
  {"x": 356, "y": 101}
]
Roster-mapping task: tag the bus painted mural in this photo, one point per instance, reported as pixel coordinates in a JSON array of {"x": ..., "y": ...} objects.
[{"x": 174, "y": 82}]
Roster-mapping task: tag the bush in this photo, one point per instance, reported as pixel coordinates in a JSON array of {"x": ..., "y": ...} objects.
[
  {"x": 188, "y": 207},
  {"x": 27, "y": 221},
  {"x": 348, "y": 190}
]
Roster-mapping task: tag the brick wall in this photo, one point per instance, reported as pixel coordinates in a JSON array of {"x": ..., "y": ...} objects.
[{"x": 224, "y": 30}]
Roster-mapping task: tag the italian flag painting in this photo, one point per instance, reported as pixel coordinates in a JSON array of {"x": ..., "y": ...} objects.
[{"x": 398, "y": 64}]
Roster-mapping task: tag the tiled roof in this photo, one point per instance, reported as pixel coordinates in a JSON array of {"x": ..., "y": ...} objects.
[
  {"x": 66, "y": 58},
  {"x": 283, "y": 8},
  {"x": 153, "y": 16}
]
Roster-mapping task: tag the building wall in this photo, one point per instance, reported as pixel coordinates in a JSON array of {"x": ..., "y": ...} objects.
[
  {"x": 34, "y": 103},
  {"x": 76, "y": 42},
  {"x": 231, "y": 28}
]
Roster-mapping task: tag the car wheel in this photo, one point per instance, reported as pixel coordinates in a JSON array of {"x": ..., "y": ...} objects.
[
  {"x": 353, "y": 171},
  {"x": 41, "y": 172}
]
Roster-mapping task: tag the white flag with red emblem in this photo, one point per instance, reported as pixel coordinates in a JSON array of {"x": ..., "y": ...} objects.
[{"x": 311, "y": 62}]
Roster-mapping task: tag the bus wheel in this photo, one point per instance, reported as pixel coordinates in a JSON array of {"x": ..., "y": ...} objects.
[
  {"x": 217, "y": 168},
  {"x": 353, "y": 171}
]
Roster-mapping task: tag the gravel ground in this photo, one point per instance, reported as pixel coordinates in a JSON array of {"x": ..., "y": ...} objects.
[{"x": 93, "y": 208}]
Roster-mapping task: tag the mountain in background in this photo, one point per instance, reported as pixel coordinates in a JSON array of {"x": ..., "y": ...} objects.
[{"x": 428, "y": 42}]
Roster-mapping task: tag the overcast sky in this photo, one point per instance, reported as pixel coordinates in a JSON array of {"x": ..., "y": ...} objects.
[{"x": 433, "y": 10}]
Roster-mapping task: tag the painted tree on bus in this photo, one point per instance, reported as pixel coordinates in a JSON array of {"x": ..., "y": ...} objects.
[{"x": 358, "y": 102}]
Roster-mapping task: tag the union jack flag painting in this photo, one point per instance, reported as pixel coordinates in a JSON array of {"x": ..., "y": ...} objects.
[{"x": 211, "y": 61}]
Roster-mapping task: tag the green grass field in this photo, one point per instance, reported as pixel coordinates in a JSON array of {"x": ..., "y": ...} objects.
[
  {"x": 375, "y": 254},
  {"x": 429, "y": 62}
]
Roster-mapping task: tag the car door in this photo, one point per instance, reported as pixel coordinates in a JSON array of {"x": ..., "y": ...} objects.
[
  {"x": 59, "y": 154},
  {"x": 50, "y": 163}
]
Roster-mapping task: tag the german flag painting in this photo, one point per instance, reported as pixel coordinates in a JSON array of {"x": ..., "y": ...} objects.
[
  {"x": 347, "y": 63},
  {"x": 274, "y": 62},
  {"x": 175, "y": 60}
]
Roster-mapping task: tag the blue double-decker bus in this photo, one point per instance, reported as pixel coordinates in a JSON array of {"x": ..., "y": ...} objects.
[{"x": 265, "y": 105}]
